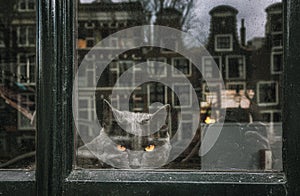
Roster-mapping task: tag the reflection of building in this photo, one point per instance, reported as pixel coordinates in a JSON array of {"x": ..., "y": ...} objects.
[
  {"x": 17, "y": 78},
  {"x": 243, "y": 67},
  {"x": 254, "y": 72},
  {"x": 93, "y": 27},
  {"x": 253, "y": 68},
  {"x": 267, "y": 67}
]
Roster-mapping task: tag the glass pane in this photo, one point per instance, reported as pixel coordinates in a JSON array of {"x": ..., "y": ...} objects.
[
  {"x": 17, "y": 85},
  {"x": 190, "y": 85}
]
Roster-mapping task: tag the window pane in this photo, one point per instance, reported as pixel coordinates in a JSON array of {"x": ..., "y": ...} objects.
[
  {"x": 153, "y": 97},
  {"x": 17, "y": 85}
]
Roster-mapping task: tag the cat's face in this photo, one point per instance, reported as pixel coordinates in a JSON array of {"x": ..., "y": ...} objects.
[{"x": 133, "y": 140}]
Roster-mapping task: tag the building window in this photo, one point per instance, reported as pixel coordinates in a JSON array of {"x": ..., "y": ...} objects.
[
  {"x": 26, "y": 36},
  {"x": 223, "y": 42},
  {"x": 267, "y": 93},
  {"x": 26, "y": 68},
  {"x": 126, "y": 66},
  {"x": 185, "y": 92},
  {"x": 90, "y": 42},
  {"x": 208, "y": 71},
  {"x": 156, "y": 92},
  {"x": 276, "y": 62},
  {"x": 26, "y": 5},
  {"x": 2, "y": 44},
  {"x": 155, "y": 69},
  {"x": 271, "y": 116},
  {"x": 24, "y": 123},
  {"x": 277, "y": 40},
  {"x": 235, "y": 67},
  {"x": 86, "y": 113},
  {"x": 182, "y": 65},
  {"x": 276, "y": 23},
  {"x": 210, "y": 95}
]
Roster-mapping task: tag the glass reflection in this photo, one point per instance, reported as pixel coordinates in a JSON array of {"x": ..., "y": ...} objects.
[
  {"x": 249, "y": 61},
  {"x": 17, "y": 84}
]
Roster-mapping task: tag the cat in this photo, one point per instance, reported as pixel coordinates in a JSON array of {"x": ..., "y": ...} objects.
[{"x": 131, "y": 140}]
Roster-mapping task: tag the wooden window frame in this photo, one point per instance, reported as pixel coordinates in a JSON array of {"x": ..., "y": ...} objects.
[{"x": 54, "y": 173}]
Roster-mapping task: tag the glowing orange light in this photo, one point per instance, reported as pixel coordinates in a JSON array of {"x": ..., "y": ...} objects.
[
  {"x": 209, "y": 120},
  {"x": 121, "y": 148},
  {"x": 150, "y": 148}
]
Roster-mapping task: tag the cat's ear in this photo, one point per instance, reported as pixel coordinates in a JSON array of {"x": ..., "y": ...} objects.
[
  {"x": 110, "y": 114},
  {"x": 162, "y": 114}
]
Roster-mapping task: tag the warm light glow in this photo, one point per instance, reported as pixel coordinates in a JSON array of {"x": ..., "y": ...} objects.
[
  {"x": 209, "y": 120},
  {"x": 121, "y": 148},
  {"x": 81, "y": 43},
  {"x": 150, "y": 148}
]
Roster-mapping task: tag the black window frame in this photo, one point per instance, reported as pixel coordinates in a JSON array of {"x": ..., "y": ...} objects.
[{"x": 54, "y": 174}]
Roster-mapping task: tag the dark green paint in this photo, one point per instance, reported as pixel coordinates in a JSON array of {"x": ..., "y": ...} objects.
[
  {"x": 291, "y": 98},
  {"x": 54, "y": 175}
]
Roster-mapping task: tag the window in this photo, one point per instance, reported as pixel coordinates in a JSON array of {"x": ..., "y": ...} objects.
[
  {"x": 210, "y": 95},
  {"x": 26, "y": 68},
  {"x": 276, "y": 23},
  {"x": 90, "y": 42},
  {"x": 2, "y": 44},
  {"x": 276, "y": 62},
  {"x": 156, "y": 69},
  {"x": 185, "y": 91},
  {"x": 271, "y": 116},
  {"x": 123, "y": 67},
  {"x": 87, "y": 114},
  {"x": 156, "y": 93},
  {"x": 235, "y": 67},
  {"x": 26, "y": 36},
  {"x": 55, "y": 174},
  {"x": 208, "y": 71},
  {"x": 26, "y": 5},
  {"x": 277, "y": 40},
  {"x": 223, "y": 43},
  {"x": 267, "y": 93},
  {"x": 182, "y": 65}
]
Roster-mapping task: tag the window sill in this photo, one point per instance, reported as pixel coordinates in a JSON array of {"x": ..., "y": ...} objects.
[{"x": 176, "y": 176}]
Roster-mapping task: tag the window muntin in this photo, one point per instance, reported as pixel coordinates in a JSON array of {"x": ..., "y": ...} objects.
[
  {"x": 223, "y": 43},
  {"x": 183, "y": 65},
  {"x": 26, "y": 36},
  {"x": 157, "y": 69},
  {"x": 208, "y": 71},
  {"x": 235, "y": 67},
  {"x": 26, "y": 5},
  {"x": 26, "y": 68},
  {"x": 2, "y": 44},
  {"x": 267, "y": 93},
  {"x": 156, "y": 93},
  {"x": 185, "y": 91},
  {"x": 276, "y": 62}
]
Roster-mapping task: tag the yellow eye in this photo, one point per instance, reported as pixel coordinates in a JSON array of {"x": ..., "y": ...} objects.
[
  {"x": 150, "y": 148},
  {"x": 121, "y": 148}
]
